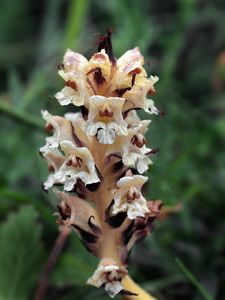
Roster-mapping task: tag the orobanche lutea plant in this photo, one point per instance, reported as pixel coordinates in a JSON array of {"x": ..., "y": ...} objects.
[{"x": 98, "y": 155}]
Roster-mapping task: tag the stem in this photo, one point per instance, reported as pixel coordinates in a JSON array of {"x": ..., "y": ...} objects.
[
  {"x": 54, "y": 255},
  {"x": 131, "y": 286},
  {"x": 20, "y": 115}
]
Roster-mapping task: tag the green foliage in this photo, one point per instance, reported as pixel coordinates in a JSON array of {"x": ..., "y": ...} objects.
[
  {"x": 21, "y": 254},
  {"x": 184, "y": 41}
]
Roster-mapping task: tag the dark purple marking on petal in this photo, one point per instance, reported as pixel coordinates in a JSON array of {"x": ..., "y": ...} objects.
[{"x": 75, "y": 137}]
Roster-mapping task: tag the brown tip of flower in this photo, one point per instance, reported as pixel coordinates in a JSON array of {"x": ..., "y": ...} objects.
[
  {"x": 64, "y": 210},
  {"x": 105, "y": 42}
]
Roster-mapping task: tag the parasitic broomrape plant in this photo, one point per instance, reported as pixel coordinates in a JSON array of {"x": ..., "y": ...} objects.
[{"x": 97, "y": 156}]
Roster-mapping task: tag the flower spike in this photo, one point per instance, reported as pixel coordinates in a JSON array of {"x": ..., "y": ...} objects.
[{"x": 96, "y": 158}]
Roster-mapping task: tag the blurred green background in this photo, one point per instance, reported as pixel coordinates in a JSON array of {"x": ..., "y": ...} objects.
[{"x": 184, "y": 41}]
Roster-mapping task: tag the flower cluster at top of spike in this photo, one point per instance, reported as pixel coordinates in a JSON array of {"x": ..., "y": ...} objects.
[{"x": 96, "y": 157}]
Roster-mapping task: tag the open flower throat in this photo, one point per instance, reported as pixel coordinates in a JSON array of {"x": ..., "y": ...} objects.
[{"x": 97, "y": 157}]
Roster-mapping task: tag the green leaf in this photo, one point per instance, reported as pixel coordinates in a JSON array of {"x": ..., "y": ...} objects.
[
  {"x": 20, "y": 254},
  {"x": 202, "y": 291}
]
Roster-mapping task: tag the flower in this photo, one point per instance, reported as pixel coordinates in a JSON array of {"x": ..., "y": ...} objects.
[
  {"x": 109, "y": 275},
  {"x": 132, "y": 147},
  {"x": 61, "y": 128},
  {"x": 128, "y": 197},
  {"x": 137, "y": 96},
  {"x": 78, "y": 163},
  {"x": 73, "y": 72},
  {"x": 105, "y": 118}
]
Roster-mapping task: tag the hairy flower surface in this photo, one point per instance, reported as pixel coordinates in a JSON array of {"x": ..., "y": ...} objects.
[{"x": 96, "y": 158}]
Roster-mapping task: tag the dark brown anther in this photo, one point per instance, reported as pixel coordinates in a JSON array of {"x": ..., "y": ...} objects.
[
  {"x": 71, "y": 84},
  {"x": 64, "y": 210},
  {"x": 104, "y": 42},
  {"x": 49, "y": 128},
  {"x": 51, "y": 168},
  {"x": 96, "y": 229}
]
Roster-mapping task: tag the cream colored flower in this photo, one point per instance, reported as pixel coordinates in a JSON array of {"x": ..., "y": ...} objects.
[
  {"x": 137, "y": 96},
  {"x": 131, "y": 60},
  {"x": 78, "y": 163},
  {"x": 55, "y": 160},
  {"x": 109, "y": 275},
  {"x": 76, "y": 90},
  {"x": 105, "y": 119},
  {"x": 128, "y": 197},
  {"x": 73, "y": 61},
  {"x": 61, "y": 128},
  {"x": 100, "y": 60},
  {"x": 132, "y": 147}
]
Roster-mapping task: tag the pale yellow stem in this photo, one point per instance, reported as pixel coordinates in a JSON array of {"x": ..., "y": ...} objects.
[{"x": 131, "y": 286}]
